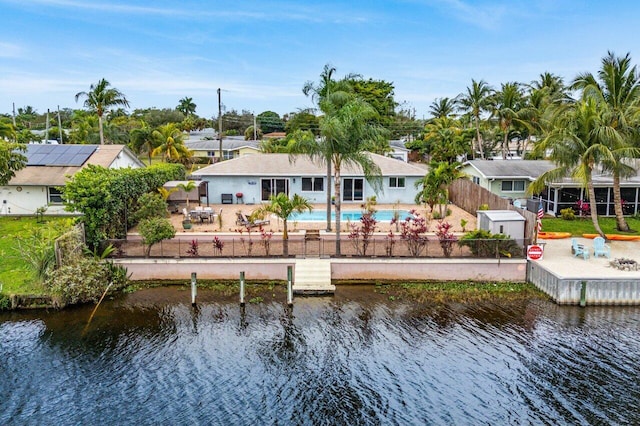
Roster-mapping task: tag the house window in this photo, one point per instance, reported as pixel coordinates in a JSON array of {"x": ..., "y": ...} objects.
[
  {"x": 352, "y": 189},
  {"x": 55, "y": 195},
  {"x": 396, "y": 182},
  {"x": 315, "y": 184},
  {"x": 476, "y": 180},
  {"x": 512, "y": 185},
  {"x": 227, "y": 155},
  {"x": 271, "y": 187}
]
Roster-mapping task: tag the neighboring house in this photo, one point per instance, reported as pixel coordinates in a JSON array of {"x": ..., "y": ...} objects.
[
  {"x": 511, "y": 179},
  {"x": 231, "y": 148},
  {"x": 399, "y": 151},
  {"x": 258, "y": 176},
  {"x": 49, "y": 167}
]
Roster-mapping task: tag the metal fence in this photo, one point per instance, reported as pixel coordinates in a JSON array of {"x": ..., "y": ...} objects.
[{"x": 378, "y": 246}]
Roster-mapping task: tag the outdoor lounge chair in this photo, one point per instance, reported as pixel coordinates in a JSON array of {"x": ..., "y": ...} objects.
[
  {"x": 579, "y": 249},
  {"x": 243, "y": 220},
  {"x": 600, "y": 248}
]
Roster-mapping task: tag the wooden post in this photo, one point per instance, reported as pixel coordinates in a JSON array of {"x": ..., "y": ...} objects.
[
  {"x": 241, "y": 288},
  {"x": 289, "y": 285},
  {"x": 194, "y": 289},
  {"x": 583, "y": 294}
]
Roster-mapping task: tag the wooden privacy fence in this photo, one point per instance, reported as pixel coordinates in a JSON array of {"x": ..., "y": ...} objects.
[{"x": 470, "y": 196}]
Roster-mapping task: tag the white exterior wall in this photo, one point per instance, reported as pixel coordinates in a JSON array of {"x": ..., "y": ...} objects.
[
  {"x": 251, "y": 189},
  {"x": 25, "y": 202}
]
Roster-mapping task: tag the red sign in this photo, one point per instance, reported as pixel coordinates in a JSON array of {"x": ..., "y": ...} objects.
[{"x": 534, "y": 252}]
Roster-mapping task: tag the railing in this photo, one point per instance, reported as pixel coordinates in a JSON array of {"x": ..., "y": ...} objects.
[{"x": 378, "y": 246}]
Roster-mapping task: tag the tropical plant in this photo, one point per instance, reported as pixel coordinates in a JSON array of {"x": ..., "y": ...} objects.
[
  {"x": 187, "y": 187},
  {"x": 442, "y": 108},
  {"x": 170, "y": 143},
  {"x": 483, "y": 243},
  {"x": 433, "y": 187},
  {"x": 283, "y": 207},
  {"x": 413, "y": 231},
  {"x": 186, "y": 106},
  {"x": 142, "y": 141},
  {"x": 150, "y": 204},
  {"x": 362, "y": 233},
  {"x": 446, "y": 237},
  {"x": 507, "y": 107},
  {"x": 100, "y": 98},
  {"x": 193, "y": 248},
  {"x": 474, "y": 102},
  {"x": 617, "y": 89},
  {"x": 578, "y": 142}
]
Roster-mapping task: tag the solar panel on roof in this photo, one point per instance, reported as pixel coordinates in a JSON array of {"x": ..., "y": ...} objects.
[{"x": 59, "y": 155}]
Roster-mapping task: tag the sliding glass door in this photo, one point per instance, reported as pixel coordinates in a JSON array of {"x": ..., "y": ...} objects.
[
  {"x": 352, "y": 189},
  {"x": 273, "y": 187}
]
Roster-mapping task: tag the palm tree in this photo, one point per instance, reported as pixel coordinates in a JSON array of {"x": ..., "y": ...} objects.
[
  {"x": 142, "y": 141},
  {"x": 474, "y": 102},
  {"x": 187, "y": 187},
  {"x": 578, "y": 141},
  {"x": 507, "y": 107},
  {"x": 186, "y": 106},
  {"x": 170, "y": 143},
  {"x": 339, "y": 92},
  {"x": 618, "y": 89},
  {"x": 7, "y": 131},
  {"x": 442, "y": 107},
  {"x": 283, "y": 207},
  {"x": 446, "y": 139},
  {"x": 434, "y": 186},
  {"x": 100, "y": 98}
]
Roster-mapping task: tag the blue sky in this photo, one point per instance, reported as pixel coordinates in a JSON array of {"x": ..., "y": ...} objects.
[{"x": 261, "y": 53}]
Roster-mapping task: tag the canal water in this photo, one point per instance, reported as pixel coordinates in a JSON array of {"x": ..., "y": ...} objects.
[{"x": 356, "y": 358}]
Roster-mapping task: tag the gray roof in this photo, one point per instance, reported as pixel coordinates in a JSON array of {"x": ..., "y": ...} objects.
[
  {"x": 280, "y": 165},
  {"x": 228, "y": 144},
  {"x": 524, "y": 169}
]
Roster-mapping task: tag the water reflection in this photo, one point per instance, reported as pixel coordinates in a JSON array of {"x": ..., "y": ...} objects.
[{"x": 356, "y": 358}]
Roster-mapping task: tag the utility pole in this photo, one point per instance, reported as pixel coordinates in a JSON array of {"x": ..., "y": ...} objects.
[
  {"x": 14, "y": 115},
  {"x": 255, "y": 129},
  {"x": 46, "y": 132},
  {"x": 220, "y": 123},
  {"x": 60, "y": 125}
]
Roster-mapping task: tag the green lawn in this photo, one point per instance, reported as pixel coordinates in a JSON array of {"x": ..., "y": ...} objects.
[
  {"x": 15, "y": 276},
  {"x": 581, "y": 226}
]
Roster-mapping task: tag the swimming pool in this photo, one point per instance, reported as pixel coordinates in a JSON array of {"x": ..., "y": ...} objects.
[{"x": 354, "y": 215}]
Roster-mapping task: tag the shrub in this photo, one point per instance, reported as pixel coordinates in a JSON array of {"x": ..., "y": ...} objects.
[
  {"x": 412, "y": 231},
  {"x": 568, "y": 214},
  {"x": 483, "y": 207},
  {"x": 446, "y": 237},
  {"x": 155, "y": 230},
  {"x": 84, "y": 280},
  {"x": 193, "y": 248},
  {"x": 483, "y": 243},
  {"x": 5, "y": 302},
  {"x": 218, "y": 245},
  {"x": 360, "y": 234},
  {"x": 150, "y": 205}
]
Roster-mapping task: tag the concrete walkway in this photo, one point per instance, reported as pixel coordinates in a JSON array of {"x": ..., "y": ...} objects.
[{"x": 559, "y": 260}]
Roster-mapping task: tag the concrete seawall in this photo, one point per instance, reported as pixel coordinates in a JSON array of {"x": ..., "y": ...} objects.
[{"x": 513, "y": 270}]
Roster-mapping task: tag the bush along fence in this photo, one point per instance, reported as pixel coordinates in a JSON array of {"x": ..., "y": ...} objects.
[{"x": 430, "y": 246}]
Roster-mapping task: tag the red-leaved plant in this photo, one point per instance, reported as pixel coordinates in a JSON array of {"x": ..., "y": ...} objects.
[{"x": 446, "y": 237}]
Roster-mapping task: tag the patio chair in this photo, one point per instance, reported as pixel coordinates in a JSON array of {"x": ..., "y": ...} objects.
[
  {"x": 600, "y": 248},
  {"x": 579, "y": 249},
  {"x": 243, "y": 220}
]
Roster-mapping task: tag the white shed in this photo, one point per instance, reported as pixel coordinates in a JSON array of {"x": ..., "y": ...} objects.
[{"x": 507, "y": 222}]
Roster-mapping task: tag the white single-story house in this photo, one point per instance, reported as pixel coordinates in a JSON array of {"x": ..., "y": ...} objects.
[
  {"x": 256, "y": 177},
  {"x": 232, "y": 147},
  {"x": 511, "y": 179},
  {"x": 399, "y": 150},
  {"x": 48, "y": 168}
]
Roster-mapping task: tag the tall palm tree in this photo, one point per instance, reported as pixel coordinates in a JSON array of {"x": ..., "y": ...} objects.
[
  {"x": 617, "y": 88},
  {"x": 442, "y": 107},
  {"x": 100, "y": 98},
  {"x": 283, "y": 207},
  {"x": 348, "y": 132},
  {"x": 507, "y": 108},
  {"x": 475, "y": 101},
  {"x": 327, "y": 93},
  {"x": 186, "y": 106},
  {"x": 578, "y": 142},
  {"x": 170, "y": 143},
  {"x": 446, "y": 139}
]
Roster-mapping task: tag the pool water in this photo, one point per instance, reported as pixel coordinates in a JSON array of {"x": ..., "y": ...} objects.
[{"x": 354, "y": 216}]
